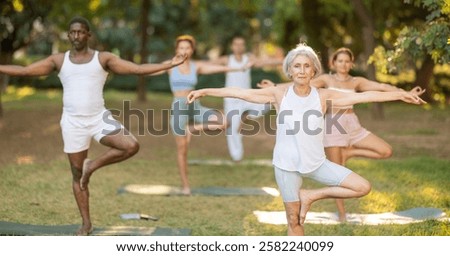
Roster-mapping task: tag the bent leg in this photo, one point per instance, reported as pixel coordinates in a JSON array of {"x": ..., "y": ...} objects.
[
  {"x": 81, "y": 196},
  {"x": 371, "y": 146},
  {"x": 343, "y": 184},
  {"x": 122, "y": 145}
]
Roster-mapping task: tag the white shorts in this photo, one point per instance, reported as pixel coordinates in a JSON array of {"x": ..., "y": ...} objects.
[
  {"x": 290, "y": 182},
  {"x": 77, "y": 131}
]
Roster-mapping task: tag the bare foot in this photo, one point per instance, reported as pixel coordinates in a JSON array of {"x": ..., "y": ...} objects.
[
  {"x": 186, "y": 191},
  {"x": 305, "y": 203},
  {"x": 85, "y": 230},
  {"x": 342, "y": 218},
  {"x": 85, "y": 174}
]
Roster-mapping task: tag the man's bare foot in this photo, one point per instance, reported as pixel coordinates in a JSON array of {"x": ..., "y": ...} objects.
[
  {"x": 305, "y": 204},
  {"x": 186, "y": 191},
  {"x": 85, "y": 230},
  {"x": 85, "y": 174}
]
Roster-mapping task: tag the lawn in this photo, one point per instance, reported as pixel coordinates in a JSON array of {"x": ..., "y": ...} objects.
[{"x": 36, "y": 180}]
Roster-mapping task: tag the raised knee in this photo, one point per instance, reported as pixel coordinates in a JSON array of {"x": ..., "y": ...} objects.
[
  {"x": 386, "y": 153},
  {"x": 133, "y": 148},
  {"x": 365, "y": 188}
]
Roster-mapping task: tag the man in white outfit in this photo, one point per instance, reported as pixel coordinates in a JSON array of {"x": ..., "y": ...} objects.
[
  {"x": 83, "y": 72},
  {"x": 235, "y": 109}
]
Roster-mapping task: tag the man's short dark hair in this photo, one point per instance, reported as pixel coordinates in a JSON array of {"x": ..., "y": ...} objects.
[{"x": 83, "y": 21}]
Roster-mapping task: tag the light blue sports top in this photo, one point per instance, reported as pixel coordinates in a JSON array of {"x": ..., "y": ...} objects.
[{"x": 180, "y": 82}]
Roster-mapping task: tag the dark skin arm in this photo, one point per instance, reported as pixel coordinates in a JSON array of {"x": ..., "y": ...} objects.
[{"x": 39, "y": 68}]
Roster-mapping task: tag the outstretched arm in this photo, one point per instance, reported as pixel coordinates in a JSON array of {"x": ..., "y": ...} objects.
[
  {"x": 206, "y": 67},
  {"x": 340, "y": 99},
  {"x": 124, "y": 67},
  {"x": 40, "y": 68},
  {"x": 251, "y": 95}
]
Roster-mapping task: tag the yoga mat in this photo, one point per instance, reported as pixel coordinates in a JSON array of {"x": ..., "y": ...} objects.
[
  {"x": 18, "y": 229},
  {"x": 218, "y": 162},
  {"x": 163, "y": 190},
  {"x": 328, "y": 218}
]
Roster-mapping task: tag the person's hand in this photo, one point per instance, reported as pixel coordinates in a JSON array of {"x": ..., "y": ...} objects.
[
  {"x": 412, "y": 98},
  {"x": 178, "y": 59},
  {"x": 265, "y": 83},
  {"x": 417, "y": 90},
  {"x": 193, "y": 95},
  {"x": 249, "y": 65}
]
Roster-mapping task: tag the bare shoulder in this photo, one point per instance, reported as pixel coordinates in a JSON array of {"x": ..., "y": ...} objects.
[
  {"x": 105, "y": 56},
  {"x": 57, "y": 59}
]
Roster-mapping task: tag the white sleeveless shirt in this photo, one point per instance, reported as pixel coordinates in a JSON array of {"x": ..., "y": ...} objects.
[
  {"x": 299, "y": 138},
  {"x": 239, "y": 79},
  {"x": 83, "y": 86}
]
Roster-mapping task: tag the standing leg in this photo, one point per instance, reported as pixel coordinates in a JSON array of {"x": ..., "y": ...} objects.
[
  {"x": 289, "y": 184},
  {"x": 182, "y": 150},
  {"x": 292, "y": 216},
  {"x": 234, "y": 138},
  {"x": 233, "y": 112},
  {"x": 121, "y": 147},
  {"x": 81, "y": 196},
  {"x": 334, "y": 154}
]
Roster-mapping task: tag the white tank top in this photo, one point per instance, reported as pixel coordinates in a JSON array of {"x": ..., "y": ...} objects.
[
  {"x": 239, "y": 79},
  {"x": 299, "y": 138},
  {"x": 83, "y": 86}
]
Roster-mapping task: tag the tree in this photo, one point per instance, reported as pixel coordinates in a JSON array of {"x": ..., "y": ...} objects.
[
  {"x": 141, "y": 90},
  {"x": 421, "y": 46},
  {"x": 16, "y": 24}
]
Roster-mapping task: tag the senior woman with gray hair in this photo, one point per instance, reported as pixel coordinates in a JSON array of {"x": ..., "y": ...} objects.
[{"x": 299, "y": 150}]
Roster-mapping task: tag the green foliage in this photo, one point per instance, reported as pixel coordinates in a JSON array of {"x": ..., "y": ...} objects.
[
  {"x": 16, "y": 22},
  {"x": 429, "y": 38}
]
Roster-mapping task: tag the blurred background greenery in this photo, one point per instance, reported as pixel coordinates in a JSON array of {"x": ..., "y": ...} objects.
[{"x": 403, "y": 43}]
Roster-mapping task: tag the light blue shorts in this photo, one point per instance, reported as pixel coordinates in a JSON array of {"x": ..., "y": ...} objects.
[
  {"x": 290, "y": 182},
  {"x": 182, "y": 114}
]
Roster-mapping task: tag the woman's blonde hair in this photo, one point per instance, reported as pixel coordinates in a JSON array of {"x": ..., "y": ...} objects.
[{"x": 187, "y": 38}]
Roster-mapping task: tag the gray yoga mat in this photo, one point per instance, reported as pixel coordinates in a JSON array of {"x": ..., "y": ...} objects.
[
  {"x": 163, "y": 190},
  {"x": 225, "y": 162},
  {"x": 18, "y": 229}
]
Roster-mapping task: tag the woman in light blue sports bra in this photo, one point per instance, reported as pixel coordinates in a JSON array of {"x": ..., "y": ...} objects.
[
  {"x": 183, "y": 80},
  {"x": 347, "y": 138}
]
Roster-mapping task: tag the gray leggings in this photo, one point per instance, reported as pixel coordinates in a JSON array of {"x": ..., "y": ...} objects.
[{"x": 290, "y": 182}]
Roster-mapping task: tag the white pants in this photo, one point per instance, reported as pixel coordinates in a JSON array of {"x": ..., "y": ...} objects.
[{"x": 234, "y": 109}]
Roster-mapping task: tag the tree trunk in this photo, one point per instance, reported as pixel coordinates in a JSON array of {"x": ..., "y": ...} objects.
[
  {"x": 423, "y": 78},
  {"x": 141, "y": 87},
  {"x": 368, "y": 30}
]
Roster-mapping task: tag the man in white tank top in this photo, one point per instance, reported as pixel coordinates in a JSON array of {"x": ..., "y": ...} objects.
[
  {"x": 236, "y": 108},
  {"x": 83, "y": 73}
]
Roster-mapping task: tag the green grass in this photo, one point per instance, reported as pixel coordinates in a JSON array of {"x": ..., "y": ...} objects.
[{"x": 38, "y": 191}]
